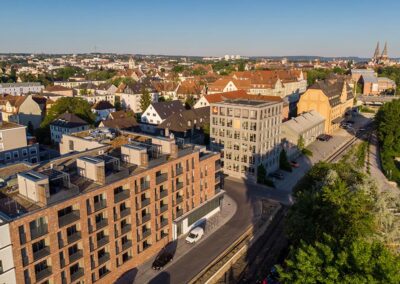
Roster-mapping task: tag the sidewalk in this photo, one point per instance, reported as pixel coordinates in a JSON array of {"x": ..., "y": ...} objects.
[{"x": 146, "y": 273}]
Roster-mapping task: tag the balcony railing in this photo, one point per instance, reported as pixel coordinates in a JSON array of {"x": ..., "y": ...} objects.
[
  {"x": 101, "y": 224},
  {"x": 145, "y": 234},
  {"x": 75, "y": 256},
  {"x": 105, "y": 257},
  {"x": 100, "y": 205},
  {"x": 179, "y": 171},
  {"x": 102, "y": 241},
  {"x": 39, "y": 231},
  {"x": 217, "y": 179},
  {"x": 126, "y": 245},
  {"x": 161, "y": 178},
  {"x": 125, "y": 229},
  {"x": 144, "y": 219},
  {"x": 74, "y": 237},
  {"x": 179, "y": 213},
  {"x": 144, "y": 186},
  {"x": 179, "y": 185},
  {"x": 122, "y": 195},
  {"x": 179, "y": 200},
  {"x": 68, "y": 218},
  {"x": 77, "y": 274},
  {"x": 43, "y": 274},
  {"x": 125, "y": 212},
  {"x": 163, "y": 194},
  {"x": 162, "y": 224},
  {"x": 163, "y": 208},
  {"x": 41, "y": 253},
  {"x": 145, "y": 202}
]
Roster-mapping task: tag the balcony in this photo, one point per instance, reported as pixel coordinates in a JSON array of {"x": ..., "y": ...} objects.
[
  {"x": 77, "y": 274},
  {"x": 217, "y": 179},
  {"x": 217, "y": 167},
  {"x": 100, "y": 205},
  {"x": 43, "y": 274},
  {"x": 68, "y": 218},
  {"x": 39, "y": 231},
  {"x": 162, "y": 194},
  {"x": 163, "y": 208},
  {"x": 179, "y": 185},
  {"x": 41, "y": 253},
  {"x": 179, "y": 171},
  {"x": 179, "y": 199},
  {"x": 125, "y": 212},
  {"x": 103, "y": 241},
  {"x": 144, "y": 235},
  {"x": 75, "y": 256},
  {"x": 144, "y": 186},
  {"x": 145, "y": 202},
  {"x": 162, "y": 224},
  {"x": 74, "y": 237},
  {"x": 144, "y": 219},
  {"x": 105, "y": 257},
  {"x": 179, "y": 213},
  {"x": 122, "y": 195},
  {"x": 125, "y": 229},
  {"x": 126, "y": 245},
  {"x": 101, "y": 224},
  {"x": 161, "y": 178}
]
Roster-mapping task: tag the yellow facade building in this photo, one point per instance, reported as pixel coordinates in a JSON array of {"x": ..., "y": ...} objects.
[{"x": 331, "y": 98}]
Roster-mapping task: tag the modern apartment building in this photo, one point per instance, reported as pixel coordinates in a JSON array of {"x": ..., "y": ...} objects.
[
  {"x": 91, "y": 216},
  {"x": 248, "y": 134},
  {"x": 14, "y": 146}
]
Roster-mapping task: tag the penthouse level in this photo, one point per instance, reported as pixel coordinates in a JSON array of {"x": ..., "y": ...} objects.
[{"x": 90, "y": 216}]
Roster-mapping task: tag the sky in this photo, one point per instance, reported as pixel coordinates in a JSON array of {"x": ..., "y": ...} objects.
[{"x": 201, "y": 27}]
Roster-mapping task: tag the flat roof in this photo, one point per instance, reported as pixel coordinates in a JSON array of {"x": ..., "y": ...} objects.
[
  {"x": 9, "y": 125},
  {"x": 250, "y": 103}
]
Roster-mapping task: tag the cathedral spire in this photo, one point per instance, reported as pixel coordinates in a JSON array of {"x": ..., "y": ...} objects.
[
  {"x": 377, "y": 51},
  {"x": 385, "y": 52}
]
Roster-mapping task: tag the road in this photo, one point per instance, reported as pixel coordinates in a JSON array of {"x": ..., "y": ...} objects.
[{"x": 189, "y": 265}]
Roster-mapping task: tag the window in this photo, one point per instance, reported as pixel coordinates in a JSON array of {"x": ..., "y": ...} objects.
[
  {"x": 8, "y": 156},
  {"x": 71, "y": 145},
  {"x": 15, "y": 155},
  {"x": 103, "y": 271},
  {"x": 24, "y": 152},
  {"x": 33, "y": 151}
]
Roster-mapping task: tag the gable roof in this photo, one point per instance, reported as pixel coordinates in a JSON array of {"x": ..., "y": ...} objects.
[
  {"x": 304, "y": 121},
  {"x": 332, "y": 89},
  {"x": 165, "y": 109},
  {"x": 101, "y": 105},
  {"x": 57, "y": 88},
  {"x": 121, "y": 114},
  {"x": 68, "y": 120},
  {"x": 187, "y": 119}
]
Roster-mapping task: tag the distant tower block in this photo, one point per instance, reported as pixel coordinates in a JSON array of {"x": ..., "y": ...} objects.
[{"x": 132, "y": 64}]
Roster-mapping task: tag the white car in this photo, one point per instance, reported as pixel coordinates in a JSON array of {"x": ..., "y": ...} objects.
[{"x": 195, "y": 235}]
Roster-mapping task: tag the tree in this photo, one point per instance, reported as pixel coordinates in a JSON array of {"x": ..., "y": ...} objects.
[
  {"x": 178, "y": 69},
  {"x": 331, "y": 199},
  {"x": 261, "y": 174},
  {"x": 78, "y": 106},
  {"x": 206, "y": 131},
  {"x": 317, "y": 74},
  {"x": 330, "y": 262},
  {"x": 190, "y": 101},
  {"x": 284, "y": 162},
  {"x": 30, "y": 128},
  {"x": 145, "y": 100},
  {"x": 117, "y": 103}
]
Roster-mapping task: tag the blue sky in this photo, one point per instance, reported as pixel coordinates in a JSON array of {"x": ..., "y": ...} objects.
[{"x": 218, "y": 27}]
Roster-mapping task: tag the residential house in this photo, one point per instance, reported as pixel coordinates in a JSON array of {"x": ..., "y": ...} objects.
[
  {"x": 66, "y": 123},
  {"x": 59, "y": 90},
  {"x": 130, "y": 96},
  {"x": 102, "y": 110},
  {"x": 190, "y": 88},
  {"x": 156, "y": 113},
  {"x": 19, "y": 89}
]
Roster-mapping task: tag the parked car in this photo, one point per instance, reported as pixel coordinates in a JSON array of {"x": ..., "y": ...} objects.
[
  {"x": 324, "y": 137},
  {"x": 162, "y": 259},
  {"x": 294, "y": 164},
  {"x": 195, "y": 235},
  {"x": 277, "y": 175}
]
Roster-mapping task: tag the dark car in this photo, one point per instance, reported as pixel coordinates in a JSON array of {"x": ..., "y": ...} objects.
[
  {"x": 324, "y": 137},
  {"x": 161, "y": 260},
  {"x": 277, "y": 175}
]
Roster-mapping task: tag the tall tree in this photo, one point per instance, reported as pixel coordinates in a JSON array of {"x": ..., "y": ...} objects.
[{"x": 145, "y": 99}]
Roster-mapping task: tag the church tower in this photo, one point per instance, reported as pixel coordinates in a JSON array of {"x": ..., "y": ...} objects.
[
  {"x": 376, "y": 53},
  {"x": 385, "y": 52},
  {"x": 132, "y": 64}
]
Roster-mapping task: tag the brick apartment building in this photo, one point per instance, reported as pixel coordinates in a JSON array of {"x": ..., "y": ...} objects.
[{"x": 90, "y": 216}]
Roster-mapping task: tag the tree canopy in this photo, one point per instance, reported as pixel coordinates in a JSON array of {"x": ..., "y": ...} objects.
[
  {"x": 145, "y": 100},
  {"x": 78, "y": 106}
]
